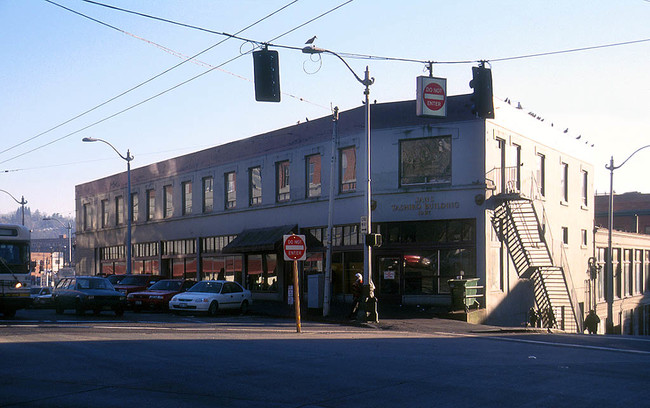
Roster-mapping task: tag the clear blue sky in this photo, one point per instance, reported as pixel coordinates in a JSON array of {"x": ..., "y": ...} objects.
[{"x": 57, "y": 64}]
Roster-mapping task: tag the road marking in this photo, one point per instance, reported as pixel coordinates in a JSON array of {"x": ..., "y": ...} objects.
[{"x": 570, "y": 345}]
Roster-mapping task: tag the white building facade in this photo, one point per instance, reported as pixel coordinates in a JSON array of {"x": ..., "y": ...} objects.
[{"x": 455, "y": 197}]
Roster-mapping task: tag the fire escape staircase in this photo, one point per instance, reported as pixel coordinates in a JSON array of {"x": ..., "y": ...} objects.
[{"x": 518, "y": 226}]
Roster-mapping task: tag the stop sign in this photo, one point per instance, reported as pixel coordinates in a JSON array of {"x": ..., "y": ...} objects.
[{"x": 295, "y": 248}]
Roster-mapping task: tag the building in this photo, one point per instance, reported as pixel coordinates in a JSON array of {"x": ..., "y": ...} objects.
[
  {"x": 455, "y": 197},
  {"x": 631, "y": 281},
  {"x": 631, "y": 212}
]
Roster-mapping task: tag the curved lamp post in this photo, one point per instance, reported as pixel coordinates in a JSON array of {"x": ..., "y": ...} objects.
[
  {"x": 609, "y": 294},
  {"x": 367, "y": 254},
  {"x": 129, "y": 208},
  {"x": 22, "y": 202},
  {"x": 69, "y": 227}
]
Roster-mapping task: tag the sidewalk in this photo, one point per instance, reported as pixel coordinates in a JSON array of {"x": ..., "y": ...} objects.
[{"x": 399, "y": 318}]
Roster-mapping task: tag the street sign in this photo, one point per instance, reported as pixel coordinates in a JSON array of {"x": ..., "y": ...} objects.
[
  {"x": 295, "y": 248},
  {"x": 364, "y": 224},
  {"x": 431, "y": 97}
]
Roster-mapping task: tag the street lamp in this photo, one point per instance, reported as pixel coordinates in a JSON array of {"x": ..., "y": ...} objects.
[
  {"x": 609, "y": 324},
  {"x": 69, "y": 227},
  {"x": 22, "y": 202},
  {"x": 128, "y": 159},
  {"x": 368, "y": 290}
]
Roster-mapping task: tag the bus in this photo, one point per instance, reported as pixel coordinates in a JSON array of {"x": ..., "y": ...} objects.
[{"x": 14, "y": 268}]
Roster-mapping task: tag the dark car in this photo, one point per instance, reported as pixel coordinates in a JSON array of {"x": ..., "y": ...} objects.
[
  {"x": 115, "y": 279},
  {"x": 136, "y": 283},
  {"x": 158, "y": 295},
  {"x": 83, "y": 293}
]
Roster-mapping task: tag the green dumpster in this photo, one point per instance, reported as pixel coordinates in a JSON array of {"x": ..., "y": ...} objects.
[{"x": 464, "y": 293}]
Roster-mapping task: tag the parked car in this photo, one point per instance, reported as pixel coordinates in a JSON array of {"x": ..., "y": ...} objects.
[
  {"x": 83, "y": 293},
  {"x": 136, "y": 283},
  {"x": 115, "y": 279},
  {"x": 157, "y": 297},
  {"x": 210, "y": 296}
]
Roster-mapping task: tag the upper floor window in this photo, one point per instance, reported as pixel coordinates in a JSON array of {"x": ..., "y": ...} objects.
[
  {"x": 255, "y": 185},
  {"x": 425, "y": 161},
  {"x": 348, "y": 169},
  {"x": 313, "y": 175},
  {"x": 585, "y": 188},
  {"x": 541, "y": 174},
  {"x": 564, "y": 182},
  {"x": 208, "y": 194},
  {"x": 231, "y": 189},
  {"x": 168, "y": 204},
  {"x": 86, "y": 216},
  {"x": 187, "y": 197},
  {"x": 104, "y": 213},
  {"x": 151, "y": 204},
  {"x": 134, "y": 207},
  {"x": 283, "y": 186},
  {"x": 119, "y": 210}
]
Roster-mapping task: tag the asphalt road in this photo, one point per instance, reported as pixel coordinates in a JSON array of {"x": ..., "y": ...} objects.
[{"x": 162, "y": 360}]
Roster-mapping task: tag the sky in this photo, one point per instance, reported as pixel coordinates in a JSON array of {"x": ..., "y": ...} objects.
[{"x": 58, "y": 64}]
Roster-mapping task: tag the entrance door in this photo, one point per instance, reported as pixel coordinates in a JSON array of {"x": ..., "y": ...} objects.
[{"x": 389, "y": 280}]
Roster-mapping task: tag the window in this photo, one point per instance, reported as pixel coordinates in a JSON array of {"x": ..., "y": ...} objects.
[
  {"x": 119, "y": 210},
  {"x": 564, "y": 183},
  {"x": 104, "y": 213},
  {"x": 168, "y": 204},
  {"x": 585, "y": 237},
  {"x": 255, "y": 185},
  {"x": 513, "y": 169},
  {"x": 585, "y": 188},
  {"x": 134, "y": 207},
  {"x": 638, "y": 271},
  {"x": 565, "y": 235},
  {"x": 282, "y": 181},
  {"x": 187, "y": 198},
  {"x": 87, "y": 225},
  {"x": 151, "y": 204},
  {"x": 313, "y": 175},
  {"x": 541, "y": 174},
  {"x": 425, "y": 161},
  {"x": 231, "y": 189},
  {"x": 208, "y": 194},
  {"x": 348, "y": 170}
]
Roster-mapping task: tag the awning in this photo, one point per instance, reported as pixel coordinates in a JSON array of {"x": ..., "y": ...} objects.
[{"x": 266, "y": 240}]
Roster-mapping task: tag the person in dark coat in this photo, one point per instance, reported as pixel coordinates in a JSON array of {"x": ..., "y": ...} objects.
[
  {"x": 591, "y": 322},
  {"x": 357, "y": 286}
]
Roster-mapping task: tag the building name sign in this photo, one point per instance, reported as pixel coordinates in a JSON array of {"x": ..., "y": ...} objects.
[{"x": 425, "y": 205}]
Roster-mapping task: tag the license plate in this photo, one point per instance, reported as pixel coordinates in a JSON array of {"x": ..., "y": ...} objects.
[
  {"x": 182, "y": 305},
  {"x": 138, "y": 302}
]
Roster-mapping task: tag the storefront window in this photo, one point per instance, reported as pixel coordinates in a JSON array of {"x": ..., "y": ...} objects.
[
  {"x": 421, "y": 274},
  {"x": 344, "y": 266},
  {"x": 262, "y": 272}
]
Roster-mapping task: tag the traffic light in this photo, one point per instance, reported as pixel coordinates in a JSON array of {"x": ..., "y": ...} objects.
[
  {"x": 482, "y": 97},
  {"x": 267, "y": 75}
]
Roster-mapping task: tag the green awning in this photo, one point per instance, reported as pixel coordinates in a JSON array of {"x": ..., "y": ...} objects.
[{"x": 261, "y": 240}]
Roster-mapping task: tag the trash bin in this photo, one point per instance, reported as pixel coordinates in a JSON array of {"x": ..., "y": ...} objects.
[{"x": 464, "y": 293}]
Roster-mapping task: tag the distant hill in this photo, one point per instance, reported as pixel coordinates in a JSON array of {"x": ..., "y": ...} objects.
[{"x": 40, "y": 228}]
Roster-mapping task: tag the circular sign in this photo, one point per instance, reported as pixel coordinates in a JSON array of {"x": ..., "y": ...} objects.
[
  {"x": 434, "y": 96},
  {"x": 294, "y": 247}
]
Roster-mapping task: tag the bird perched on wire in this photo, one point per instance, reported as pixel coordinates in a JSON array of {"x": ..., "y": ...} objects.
[{"x": 311, "y": 40}]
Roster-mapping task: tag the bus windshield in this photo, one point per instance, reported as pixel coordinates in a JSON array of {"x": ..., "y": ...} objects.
[{"x": 14, "y": 257}]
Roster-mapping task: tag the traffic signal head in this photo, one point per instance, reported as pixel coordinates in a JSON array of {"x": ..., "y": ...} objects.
[
  {"x": 374, "y": 240},
  {"x": 267, "y": 75},
  {"x": 481, "y": 83}
]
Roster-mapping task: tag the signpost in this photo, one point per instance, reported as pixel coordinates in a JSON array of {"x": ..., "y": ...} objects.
[{"x": 295, "y": 250}]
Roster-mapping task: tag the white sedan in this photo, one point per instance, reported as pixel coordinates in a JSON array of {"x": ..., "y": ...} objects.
[{"x": 210, "y": 296}]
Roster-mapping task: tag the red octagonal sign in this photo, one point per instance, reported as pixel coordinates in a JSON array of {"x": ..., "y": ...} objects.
[{"x": 295, "y": 248}]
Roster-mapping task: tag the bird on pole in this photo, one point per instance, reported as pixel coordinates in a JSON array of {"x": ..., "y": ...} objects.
[{"x": 311, "y": 40}]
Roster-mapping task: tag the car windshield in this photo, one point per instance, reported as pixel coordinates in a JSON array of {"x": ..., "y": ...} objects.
[
  {"x": 135, "y": 280},
  {"x": 172, "y": 285},
  {"x": 94, "y": 284},
  {"x": 209, "y": 287},
  {"x": 35, "y": 291}
]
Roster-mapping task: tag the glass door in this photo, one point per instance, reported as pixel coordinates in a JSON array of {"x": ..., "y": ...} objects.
[{"x": 389, "y": 279}]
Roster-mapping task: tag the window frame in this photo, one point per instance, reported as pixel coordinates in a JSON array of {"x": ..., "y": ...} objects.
[
  {"x": 433, "y": 177},
  {"x": 207, "y": 199},
  {"x": 186, "y": 197},
  {"x": 230, "y": 196},
  {"x": 313, "y": 189},
  {"x": 283, "y": 181},
  {"x": 119, "y": 210},
  {"x": 151, "y": 204},
  {"x": 105, "y": 213},
  {"x": 168, "y": 201},
  {"x": 135, "y": 202},
  {"x": 564, "y": 182},
  {"x": 348, "y": 185},
  {"x": 254, "y": 191}
]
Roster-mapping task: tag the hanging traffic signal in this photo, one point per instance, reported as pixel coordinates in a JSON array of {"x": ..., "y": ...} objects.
[
  {"x": 267, "y": 75},
  {"x": 481, "y": 82}
]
